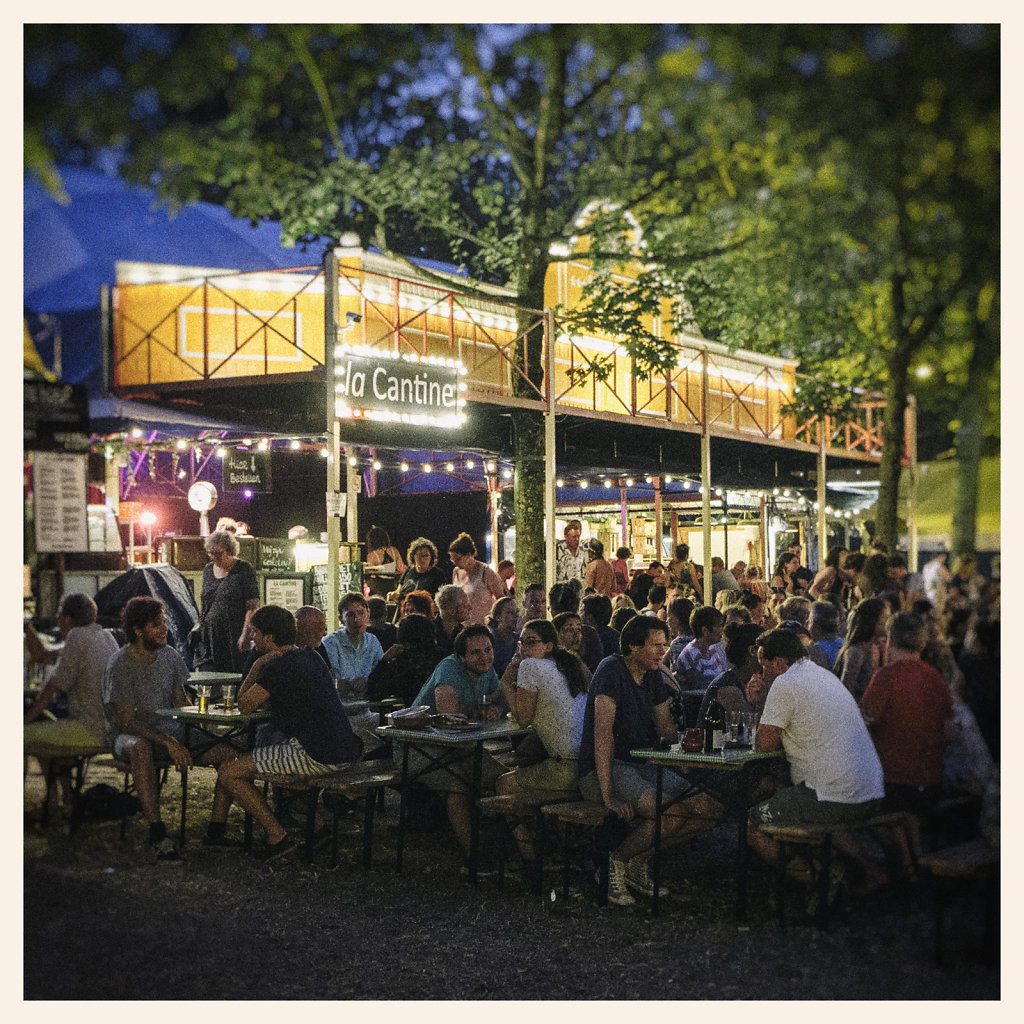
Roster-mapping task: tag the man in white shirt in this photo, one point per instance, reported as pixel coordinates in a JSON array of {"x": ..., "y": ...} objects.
[{"x": 837, "y": 776}]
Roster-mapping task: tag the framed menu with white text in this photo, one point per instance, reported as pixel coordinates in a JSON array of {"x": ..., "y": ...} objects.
[{"x": 60, "y": 493}]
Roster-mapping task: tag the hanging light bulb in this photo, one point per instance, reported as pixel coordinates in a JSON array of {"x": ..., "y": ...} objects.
[
  {"x": 353, "y": 461},
  {"x": 559, "y": 482},
  {"x": 607, "y": 483},
  {"x": 668, "y": 478},
  {"x": 376, "y": 464},
  {"x": 295, "y": 446},
  {"x": 584, "y": 484},
  {"x": 470, "y": 464},
  {"x": 181, "y": 444},
  {"x": 629, "y": 481},
  {"x": 507, "y": 474},
  {"x": 405, "y": 467},
  {"x": 427, "y": 467},
  {"x": 450, "y": 467},
  {"x": 324, "y": 453}
]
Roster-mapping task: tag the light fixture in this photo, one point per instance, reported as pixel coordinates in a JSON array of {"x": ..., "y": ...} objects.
[
  {"x": 629, "y": 481},
  {"x": 181, "y": 444},
  {"x": 559, "y": 482},
  {"x": 221, "y": 452},
  {"x": 668, "y": 478},
  {"x": 324, "y": 453},
  {"x": 353, "y": 461},
  {"x": 450, "y": 467},
  {"x": 295, "y": 446},
  {"x": 584, "y": 484},
  {"x": 427, "y": 467},
  {"x": 470, "y": 464},
  {"x": 376, "y": 464},
  {"x": 507, "y": 474},
  {"x": 607, "y": 483}
]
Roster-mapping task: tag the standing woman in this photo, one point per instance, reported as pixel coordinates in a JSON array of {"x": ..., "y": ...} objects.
[
  {"x": 681, "y": 571},
  {"x": 783, "y": 581},
  {"x": 859, "y": 656},
  {"x": 229, "y": 596},
  {"x": 546, "y": 687},
  {"x": 380, "y": 550},
  {"x": 423, "y": 573},
  {"x": 483, "y": 586}
]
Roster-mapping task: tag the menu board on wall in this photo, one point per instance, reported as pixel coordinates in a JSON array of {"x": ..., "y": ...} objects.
[
  {"x": 59, "y": 490},
  {"x": 287, "y": 591},
  {"x": 350, "y": 578}
]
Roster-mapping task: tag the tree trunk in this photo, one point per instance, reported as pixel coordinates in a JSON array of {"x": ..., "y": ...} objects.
[
  {"x": 970, "y": 439},
  {"x": 893, "y": 437}
]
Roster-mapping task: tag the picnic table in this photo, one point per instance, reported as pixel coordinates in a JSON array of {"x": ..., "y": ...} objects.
[
  {"x": 438, "y": 745},
  {"x": 741, "y": 765}
]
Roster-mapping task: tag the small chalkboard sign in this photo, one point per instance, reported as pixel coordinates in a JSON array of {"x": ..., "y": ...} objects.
[
  {"x": 350, "y": 578},
  {"x": 287, "y": 591},
  {"x": 276, "y": 554},
  {"x": 246, "y": 471}
]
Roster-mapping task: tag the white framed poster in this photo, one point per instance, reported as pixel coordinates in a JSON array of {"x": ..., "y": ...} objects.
[
  {"x": 60, "y": 495},
  {"x": 287, "y": 591}
]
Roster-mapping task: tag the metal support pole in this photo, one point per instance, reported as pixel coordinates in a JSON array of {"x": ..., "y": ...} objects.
[
  {"x": 549, "y": 451},
  {"x": 657, "y": 519},
  {"x": 624, "y": 516},
  {"x": 333, "y": 496},
  {"x": 351, "y": 505},
  {"x": 910, "y": 429},
  {"x": 705, "y": 473},
  {"x": 822, "y": 524}
]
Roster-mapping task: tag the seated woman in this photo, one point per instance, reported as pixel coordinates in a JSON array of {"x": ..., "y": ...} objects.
[
  {"x": 422, "y": 574},
  {"x": 569, "y": 627},
  {"x": 407, "y": 664},
  {"x": 502, "y": 624},
  {"x": 546, "y": 687}
]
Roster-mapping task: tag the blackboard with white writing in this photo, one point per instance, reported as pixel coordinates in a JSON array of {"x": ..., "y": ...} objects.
[
  {"x": 350, "y": 578},
  {"x": 246, "y": 471}
]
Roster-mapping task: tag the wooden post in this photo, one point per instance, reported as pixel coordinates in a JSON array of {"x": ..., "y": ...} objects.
[
  {"x": 333, "y": 496},
  {"x": 549, "y": 451},
  {"x": 705, "y": 474}
]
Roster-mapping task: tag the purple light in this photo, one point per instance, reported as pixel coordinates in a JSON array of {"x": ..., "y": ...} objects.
[{"x": 247, "y": 493}]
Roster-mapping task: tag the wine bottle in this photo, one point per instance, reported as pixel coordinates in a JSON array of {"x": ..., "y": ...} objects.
[{"x": 714, "y": 728}]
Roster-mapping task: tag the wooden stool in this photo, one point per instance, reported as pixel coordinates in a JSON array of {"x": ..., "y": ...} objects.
[
  {"x": 581, "y": 814},
  {"x": 819, "y": 835},
  {"x": 974, "y": 860},
  {"x": 75, "y": 758},
  {"x": 524, "y": 804},
  {"x": 365, "y": 780}
]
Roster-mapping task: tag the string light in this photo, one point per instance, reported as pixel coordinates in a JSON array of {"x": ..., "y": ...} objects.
[
  {"x": 405, "y": 467},
  {"x": 427, "y": 467},
  {"x": 324, "y": 453},
  {"x": 376, "y": 464}
]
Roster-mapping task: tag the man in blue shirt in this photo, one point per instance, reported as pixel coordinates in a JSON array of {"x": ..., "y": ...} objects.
[
  {"x": 456, "y": 686},
  {"x": 628, "y": 708},
  {"x": 353, "y": 653}
]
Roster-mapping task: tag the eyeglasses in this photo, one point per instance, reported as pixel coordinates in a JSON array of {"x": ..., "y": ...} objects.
[{"x": 529, "y": 641}]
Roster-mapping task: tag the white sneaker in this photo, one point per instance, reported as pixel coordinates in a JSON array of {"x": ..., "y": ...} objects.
[
  {"x": 639, "y": 878},
  {"x": 618, "y": 894}
]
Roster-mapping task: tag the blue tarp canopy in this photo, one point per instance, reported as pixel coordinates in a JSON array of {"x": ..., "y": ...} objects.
[{"x": 70, "y": 251}]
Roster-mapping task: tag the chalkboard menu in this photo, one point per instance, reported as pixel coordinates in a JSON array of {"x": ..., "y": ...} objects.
[
  {"x": 56, "y": 416},
  {"x": 276, "y": 554},
  {"x": 246, "y": 471},
  {"x": 350, "y": 577}
]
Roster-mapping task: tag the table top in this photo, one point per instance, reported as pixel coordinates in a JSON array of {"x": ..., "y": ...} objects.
[
  {"x": 728, "y": 760},
  {"x": 215, "y": 715},
  {"x": 224, "y": 678},
  {"x": 453, "y": 737}
]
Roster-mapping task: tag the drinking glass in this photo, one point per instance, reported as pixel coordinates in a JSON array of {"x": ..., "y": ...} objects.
[
  {"x": 203, "y": 691},
  {"x": 734, "y": 726},
  {"x": 228, "y": 694}
]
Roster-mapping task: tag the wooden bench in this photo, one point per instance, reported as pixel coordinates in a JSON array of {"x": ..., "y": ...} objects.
[
  {"x": 972, "y": 861},
  {"x": 576, "y": 815},
  {"x": 362, "y": 780},
  {"x": 56, "y": 757},
  {"x": 525, "y": 804},
  {"x": 820, "y": 835}
]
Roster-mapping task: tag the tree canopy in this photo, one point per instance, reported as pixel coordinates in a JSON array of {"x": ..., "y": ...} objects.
[{"x": 831, "y": 191}]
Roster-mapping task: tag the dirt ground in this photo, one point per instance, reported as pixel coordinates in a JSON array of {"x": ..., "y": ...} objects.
[{"x": 103, "y": 921}]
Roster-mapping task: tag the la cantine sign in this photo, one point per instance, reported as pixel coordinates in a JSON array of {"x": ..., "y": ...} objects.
[{"x": 404, "y": 389}]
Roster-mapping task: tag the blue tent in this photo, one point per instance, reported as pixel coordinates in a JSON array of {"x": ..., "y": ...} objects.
[{"x": 70, "y": 251}]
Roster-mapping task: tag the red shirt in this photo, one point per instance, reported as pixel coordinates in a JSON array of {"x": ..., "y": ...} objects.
[{"x": 909, "y": 703}]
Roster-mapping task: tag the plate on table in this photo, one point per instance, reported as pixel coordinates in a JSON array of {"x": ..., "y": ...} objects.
[{"x": 449, "y": 723}]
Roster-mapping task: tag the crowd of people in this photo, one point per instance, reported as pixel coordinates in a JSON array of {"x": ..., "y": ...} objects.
[{"x": 880, "y": 686}]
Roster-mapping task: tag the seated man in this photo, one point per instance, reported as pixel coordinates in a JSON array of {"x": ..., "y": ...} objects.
[
  {"x": 457, "y": 686},
  {"x": 310, "y": 629},
  {"x": 628, "y": 708},
  {"x": 307, "y": 710},
  {"x": 354, "y": 653},
  {"x": 140, "y": 678},
  {"x": 836, "y": 774},
  {"x": 79, "y": 673}
]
